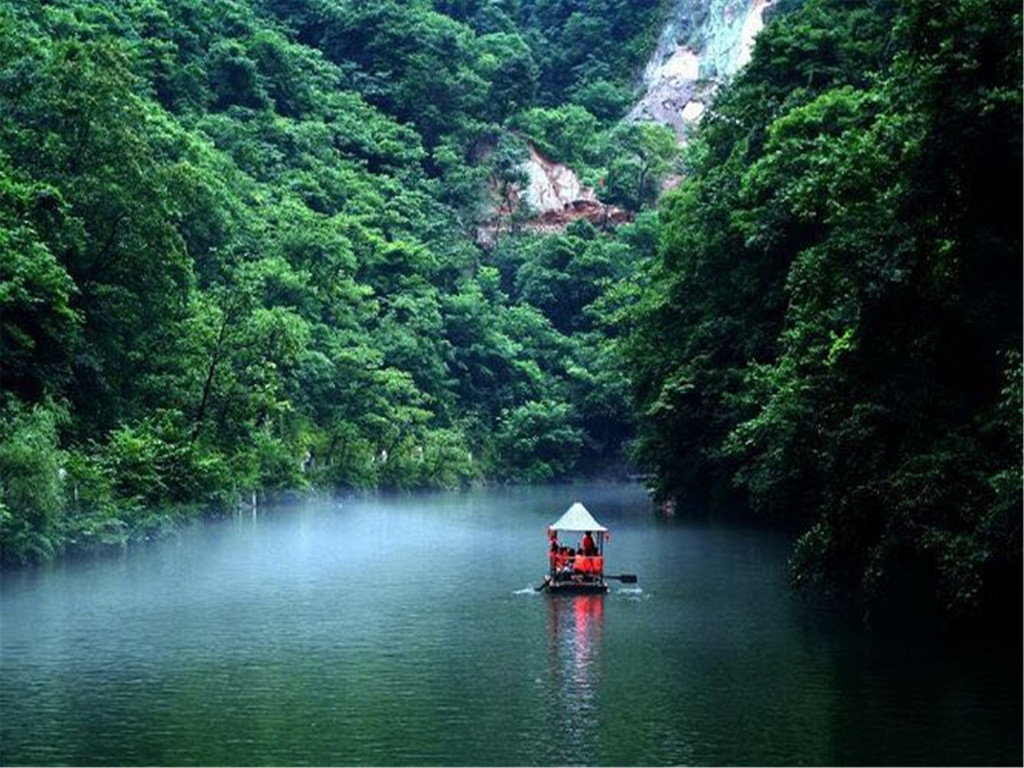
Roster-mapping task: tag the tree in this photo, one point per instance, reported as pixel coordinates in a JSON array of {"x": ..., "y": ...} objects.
[
  {"x": 40, "y": 329},
  {"x": 31, "y": 484},
  {"x": 643, "y": 153}
]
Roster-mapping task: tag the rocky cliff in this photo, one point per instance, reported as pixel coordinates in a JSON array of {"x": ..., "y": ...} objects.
[
  {"x": 554, "y": 196},
  {"x": 702, "y": 44}
]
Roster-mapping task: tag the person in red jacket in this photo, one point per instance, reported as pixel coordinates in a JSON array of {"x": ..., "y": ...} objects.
[
  {"x": 553, "y": 549},
  {"x": 589, "y": 548}
]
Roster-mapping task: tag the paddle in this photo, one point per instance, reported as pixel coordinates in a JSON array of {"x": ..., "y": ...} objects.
[
  {"x": 625, "y": 578},
  {"x": 547, "y": 582}
]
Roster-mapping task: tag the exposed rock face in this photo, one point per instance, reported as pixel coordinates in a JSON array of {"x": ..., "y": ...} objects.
[
  {"x": 554, "y": 197},
  {"x": 703, "y": 44},
  {"x": 552, "y": 186}
]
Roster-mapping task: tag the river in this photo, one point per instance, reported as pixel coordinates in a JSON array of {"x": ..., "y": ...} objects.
[{"x": 405, "y": 630}]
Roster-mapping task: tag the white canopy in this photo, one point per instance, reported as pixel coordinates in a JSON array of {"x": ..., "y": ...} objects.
[{"x": 577, "y": 518}]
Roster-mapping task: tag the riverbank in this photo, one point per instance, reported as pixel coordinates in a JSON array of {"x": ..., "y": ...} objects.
[{"x": 74, "y": 504}]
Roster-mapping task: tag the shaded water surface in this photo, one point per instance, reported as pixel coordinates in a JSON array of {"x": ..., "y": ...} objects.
[{"x": 405, "y": 630}]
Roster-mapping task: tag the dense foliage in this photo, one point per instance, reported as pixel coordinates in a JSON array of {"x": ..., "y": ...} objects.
[
  {"x": 236, "y": 256},
  {"x": 834, "y": 322}
]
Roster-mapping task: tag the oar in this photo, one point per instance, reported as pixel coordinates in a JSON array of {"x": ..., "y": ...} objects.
[
  {"x": 547, "y": 582},
  {"x": 625, "y": 578}
]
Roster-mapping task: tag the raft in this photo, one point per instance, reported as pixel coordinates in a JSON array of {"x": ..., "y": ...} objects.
[
  {"x": 596, "y": 586},
  {"x": 571, "y": 572}
]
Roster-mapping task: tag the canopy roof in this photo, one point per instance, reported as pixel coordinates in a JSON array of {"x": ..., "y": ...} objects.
[{"x": 577, "y": 518}]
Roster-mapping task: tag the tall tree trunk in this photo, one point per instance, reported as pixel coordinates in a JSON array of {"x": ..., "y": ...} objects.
[{"x": 210, "y": 373}]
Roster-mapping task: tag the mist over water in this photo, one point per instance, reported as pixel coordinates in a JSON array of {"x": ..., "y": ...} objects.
[{"x": 405, "y": 630}]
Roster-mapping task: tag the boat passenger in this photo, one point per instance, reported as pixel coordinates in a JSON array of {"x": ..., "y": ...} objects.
[
  {"x": 580, "y": 566},
  {"x": 589, "y": 548},
  {"x": 557, "y": 559},
  {"x": 564, "y": 568}
]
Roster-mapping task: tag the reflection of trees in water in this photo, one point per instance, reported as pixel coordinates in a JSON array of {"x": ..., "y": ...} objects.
[{"x": 575, "y": 632}]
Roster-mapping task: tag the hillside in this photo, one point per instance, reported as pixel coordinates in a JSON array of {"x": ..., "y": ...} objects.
[
  {"x": 832, "y": 332},
  {"x": 238, "y": 255}
]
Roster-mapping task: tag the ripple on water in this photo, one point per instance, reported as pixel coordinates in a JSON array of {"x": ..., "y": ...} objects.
[{"x": 391, "y": 632}]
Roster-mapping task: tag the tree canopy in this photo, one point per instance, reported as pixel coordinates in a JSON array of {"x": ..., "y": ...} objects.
[{"x": 236, "y": 254}]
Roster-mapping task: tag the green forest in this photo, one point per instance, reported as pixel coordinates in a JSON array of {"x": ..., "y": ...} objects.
[
  {"x": 833, "y": 328},
  {"x": 239, "y": 256}
]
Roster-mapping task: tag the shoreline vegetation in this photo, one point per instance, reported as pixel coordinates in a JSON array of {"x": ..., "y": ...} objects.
[{"x": 89, "y": 506}]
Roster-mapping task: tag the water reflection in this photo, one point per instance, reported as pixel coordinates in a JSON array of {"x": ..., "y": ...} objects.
[{"x": 575, "y": 640}]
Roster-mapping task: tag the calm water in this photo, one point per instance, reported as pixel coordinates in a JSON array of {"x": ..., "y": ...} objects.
[{"x": 396, "y": 631}]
